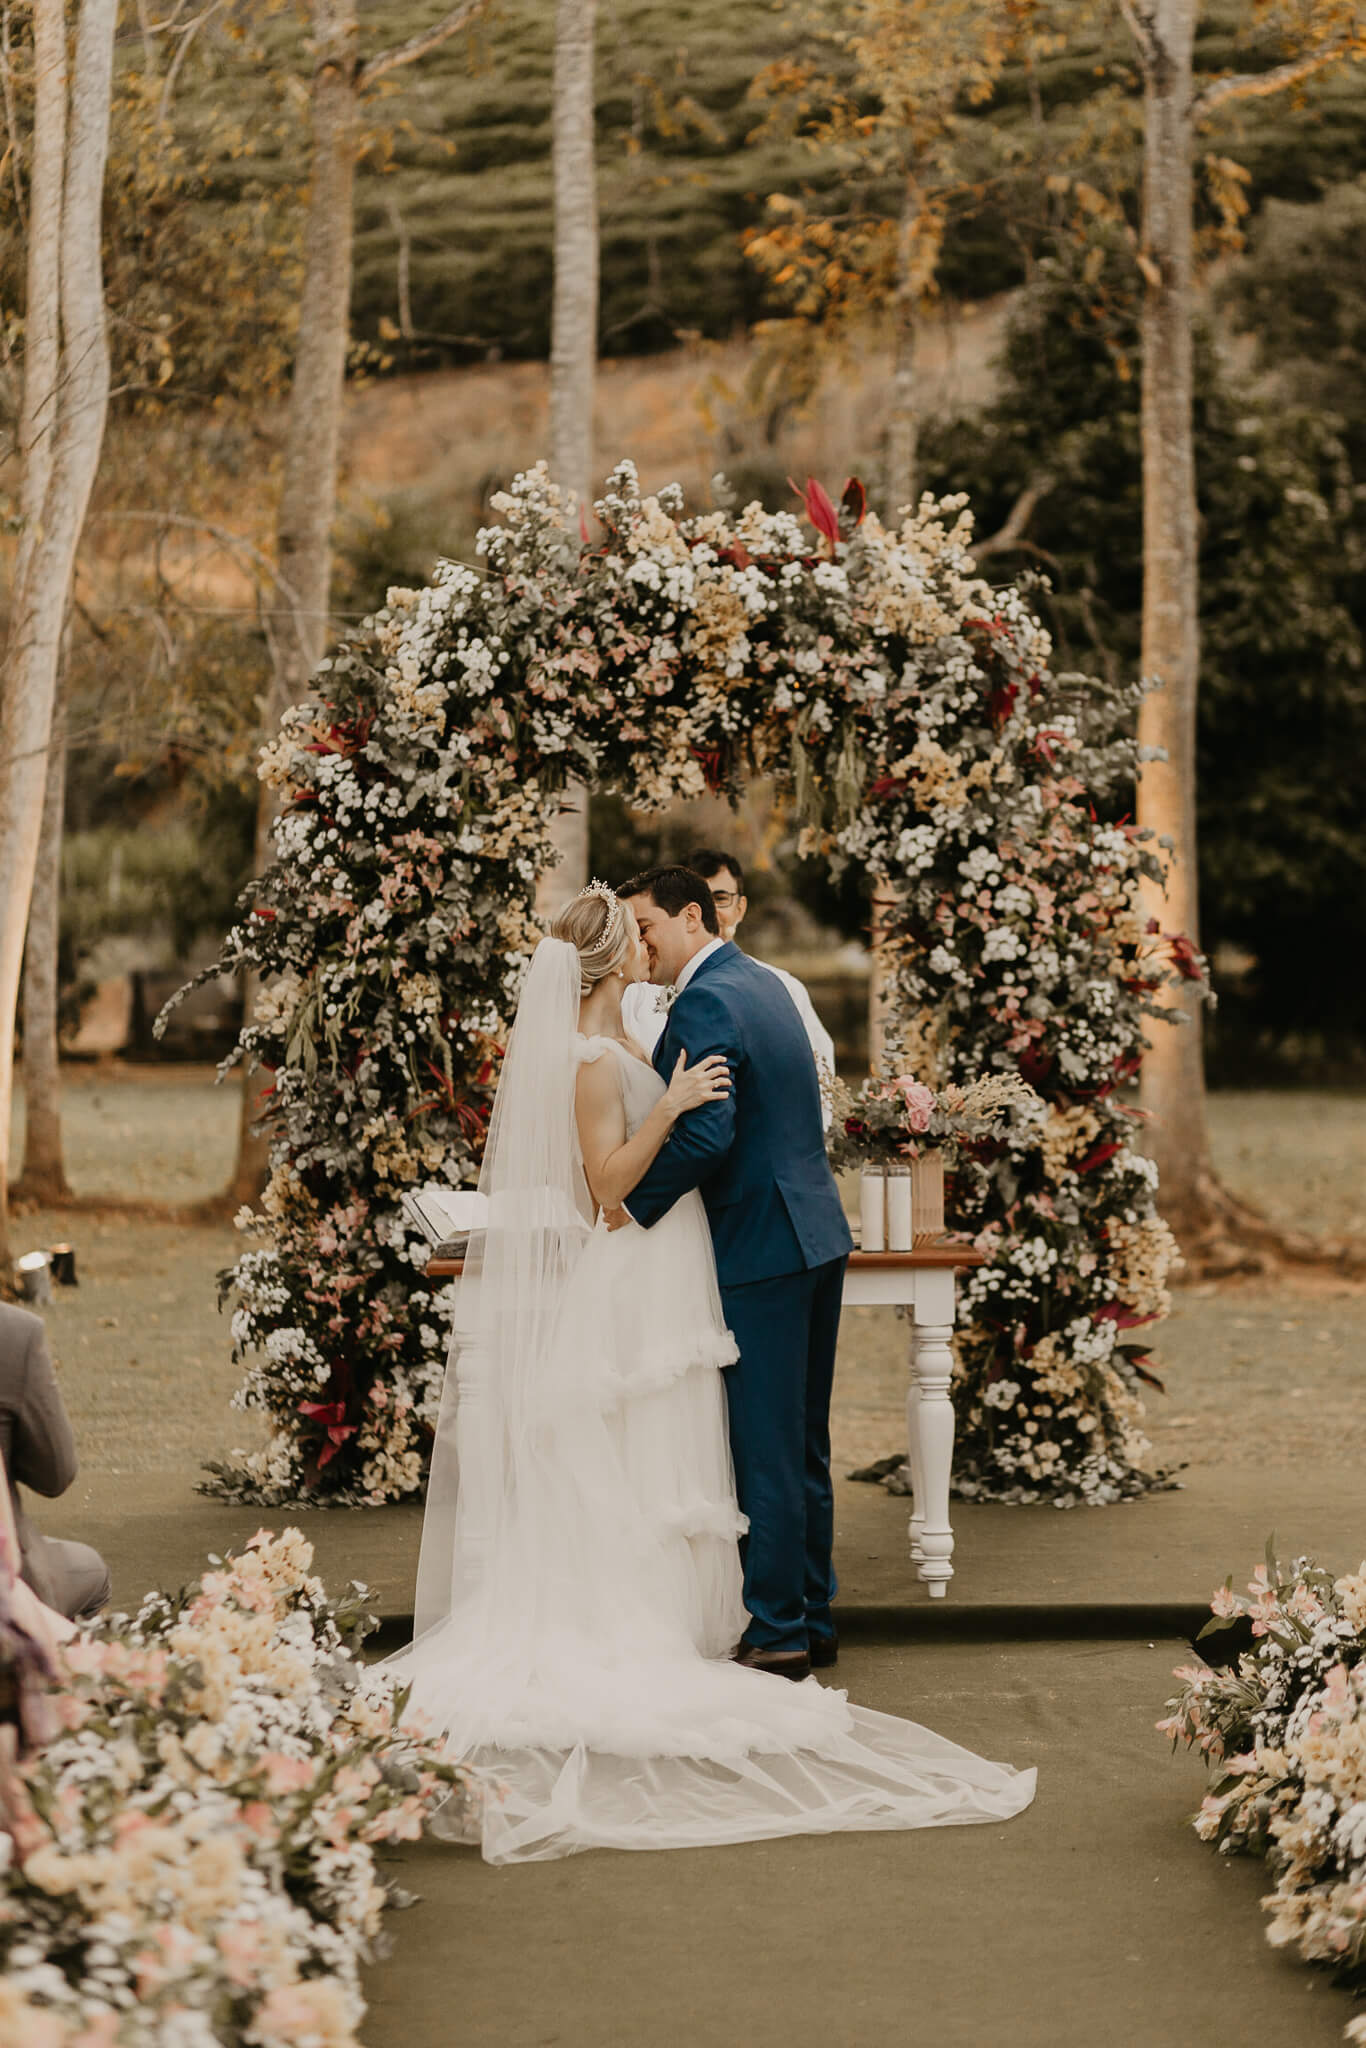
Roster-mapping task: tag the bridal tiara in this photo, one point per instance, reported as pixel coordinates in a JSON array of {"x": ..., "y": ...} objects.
[{"x": 612, "y": 928}]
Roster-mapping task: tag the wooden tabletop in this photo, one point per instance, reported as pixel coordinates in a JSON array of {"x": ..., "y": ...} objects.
[{"x": 943, "y": 1250}]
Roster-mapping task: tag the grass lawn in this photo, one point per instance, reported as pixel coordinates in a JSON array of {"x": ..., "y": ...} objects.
[{"x": 143, "y": 1350}]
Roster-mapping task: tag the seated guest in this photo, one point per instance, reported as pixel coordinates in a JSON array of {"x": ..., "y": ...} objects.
[
  {"x": 37, "y": 1450},
  {"x": 724, "y": 876}
]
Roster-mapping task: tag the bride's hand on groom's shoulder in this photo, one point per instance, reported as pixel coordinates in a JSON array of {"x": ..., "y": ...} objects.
[{"x": 691, "y": 1087}]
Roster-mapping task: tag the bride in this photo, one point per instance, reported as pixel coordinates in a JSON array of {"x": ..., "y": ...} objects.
[{"x": 579, "y": 1585}]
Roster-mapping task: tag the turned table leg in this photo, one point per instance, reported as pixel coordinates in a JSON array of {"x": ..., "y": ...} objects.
[
  {"x": 929, "y": 1414},
  {"x": 914, "y": 1458}
]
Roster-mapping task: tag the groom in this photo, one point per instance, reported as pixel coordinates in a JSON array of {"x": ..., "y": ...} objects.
[{"x": 781, "y": 1243}]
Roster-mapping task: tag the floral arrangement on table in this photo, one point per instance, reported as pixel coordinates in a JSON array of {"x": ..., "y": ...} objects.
[
  {"x": 910, "y": 711},
  {"x": 1284, "y": 1727},
  {"x": 894, "y": 1118},
  {"x": 193, "y": 1853}
]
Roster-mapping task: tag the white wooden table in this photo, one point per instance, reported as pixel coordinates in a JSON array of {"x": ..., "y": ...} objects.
[{"x": 922, "y": 1282}]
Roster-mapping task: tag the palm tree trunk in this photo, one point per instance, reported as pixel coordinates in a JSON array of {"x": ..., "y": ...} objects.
[
  {"x": 44, "y": 1171},
  {"x": 574, "y": 328},
  {"x": 1173, "y": 1084},
  {"x": 902, "y": 420},
  {"x": 308, "y": 498},
  {"x": 573, "y": 343},
  {"x": 64, "y": 422}
]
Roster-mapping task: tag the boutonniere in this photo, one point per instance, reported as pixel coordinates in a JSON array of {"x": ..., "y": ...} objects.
[{"x": 665, "y": 998}]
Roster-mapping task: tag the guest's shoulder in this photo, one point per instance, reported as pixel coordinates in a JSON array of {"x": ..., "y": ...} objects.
[
  {"x": 21, "y": 1334},
  {"x": 18, "y": 1325}
]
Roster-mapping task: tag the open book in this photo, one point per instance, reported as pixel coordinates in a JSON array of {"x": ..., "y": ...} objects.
[{"x": 445, "y": 1216}]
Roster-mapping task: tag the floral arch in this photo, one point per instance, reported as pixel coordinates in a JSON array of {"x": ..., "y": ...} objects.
[{"x": 912, "y": 713}]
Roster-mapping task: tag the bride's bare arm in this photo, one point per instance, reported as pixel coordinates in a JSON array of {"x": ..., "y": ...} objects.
[{"x": 613, "y": 1162}]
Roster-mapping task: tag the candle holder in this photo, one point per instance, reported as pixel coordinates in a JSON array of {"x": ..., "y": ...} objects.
[
  {"x": 900, "y": 1235},
  {"x": 872, "y": 1192}
]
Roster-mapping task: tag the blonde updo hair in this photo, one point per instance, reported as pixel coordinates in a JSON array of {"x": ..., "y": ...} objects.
[{"x": 601, "y": 928}]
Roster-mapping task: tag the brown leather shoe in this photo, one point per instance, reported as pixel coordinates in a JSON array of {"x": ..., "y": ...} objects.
[{"x": 792, "y": 1664}]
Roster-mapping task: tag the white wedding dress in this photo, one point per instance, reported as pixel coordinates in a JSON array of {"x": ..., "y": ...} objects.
[{"x": 579, "y": 1590}]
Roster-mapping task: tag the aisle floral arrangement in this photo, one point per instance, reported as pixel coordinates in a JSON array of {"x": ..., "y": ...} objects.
[
  {"x": 192, "y": 1857},
  {"x": 909, "y": 710},
  {"x": 1284, "y": 1728}
]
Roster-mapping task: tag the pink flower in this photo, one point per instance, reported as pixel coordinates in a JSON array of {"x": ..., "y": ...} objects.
[
  {"x": 257, "y": 1816},
  {"x": 919, "y": 1101},
  {"x": 240, "y": 1948},
  {"x": 102, "y": 2032},
  {"x": 289, "y": 1773}
]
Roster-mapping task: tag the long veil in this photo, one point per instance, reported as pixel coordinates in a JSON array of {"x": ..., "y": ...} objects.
[{"x": 539, "y": 1216}]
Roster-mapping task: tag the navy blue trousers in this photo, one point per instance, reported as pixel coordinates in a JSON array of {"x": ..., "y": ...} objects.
[{"x": 778, "y": 1394}]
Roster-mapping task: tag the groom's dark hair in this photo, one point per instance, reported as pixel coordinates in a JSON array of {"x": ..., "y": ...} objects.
[{"x": 671, "y": 889}]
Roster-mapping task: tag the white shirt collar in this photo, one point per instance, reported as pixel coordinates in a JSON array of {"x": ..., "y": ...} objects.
[{"x": 690, "y": 970}]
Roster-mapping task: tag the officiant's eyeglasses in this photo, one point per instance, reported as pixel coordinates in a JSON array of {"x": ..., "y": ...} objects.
[{"x": 725, "y": 899}]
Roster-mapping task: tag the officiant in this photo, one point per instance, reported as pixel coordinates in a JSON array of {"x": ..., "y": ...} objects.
[{"x": 642, "y": 1007}]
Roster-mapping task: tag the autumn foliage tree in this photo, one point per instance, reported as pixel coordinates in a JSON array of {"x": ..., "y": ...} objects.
[{"x": 884, "y": 93}]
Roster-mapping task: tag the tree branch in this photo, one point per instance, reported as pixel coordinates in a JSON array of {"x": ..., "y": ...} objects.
[
  {"x": 1259, "y": 85},
  {"x": 1021, "y": 512},
  {"x": 1143, "y": 31},
  {"x": 417, "y": 46}
]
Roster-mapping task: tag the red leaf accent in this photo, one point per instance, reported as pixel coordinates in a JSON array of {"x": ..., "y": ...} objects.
[
  {"x": 710, "y": 762},
  {"x": 1122, "y": 1318},
  {"x": 1035, "y": 1066},
  {"x": 1097, "y": 1157},
  {"x": 330, "y": 1414},
  {"x": 1001, "y": 702},
  {"x": 584, "y": 534},
  {"x": 1184, "y": 956},
  {"x": 819, "y": 509},
  {"x": 854, "y": 503}
]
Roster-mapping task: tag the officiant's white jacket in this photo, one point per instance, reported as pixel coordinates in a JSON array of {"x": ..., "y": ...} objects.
[{"x": 643, "y": 1013}]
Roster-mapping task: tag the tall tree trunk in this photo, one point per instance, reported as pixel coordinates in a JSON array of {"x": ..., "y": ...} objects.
[
  {"x": 901, "y": 447},
  {"x": 308, "y": 498},
  {"x": 44, "y": 1171},
  {"x": 1173, "y": 1085},
  {"x": 573, "y": 342},
  {"x": 574, "y": 327},
  {"x": 64, "y": 230},
  {"x": 902, "y": 419}
]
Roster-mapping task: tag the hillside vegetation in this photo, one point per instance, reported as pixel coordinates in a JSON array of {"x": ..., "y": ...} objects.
[{"x": 467, "y": 182}]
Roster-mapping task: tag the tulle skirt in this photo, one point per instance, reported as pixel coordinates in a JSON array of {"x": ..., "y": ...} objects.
[{"x": 582, "y": 1674}]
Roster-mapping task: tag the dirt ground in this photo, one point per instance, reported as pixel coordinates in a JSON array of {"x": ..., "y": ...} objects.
[{"x": 1251, "y": 1370}]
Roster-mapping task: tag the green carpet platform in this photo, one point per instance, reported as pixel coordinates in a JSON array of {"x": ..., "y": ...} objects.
[
  {"x": 1147, "y": 1565},
  {"x": 1094, "y": 1917}
]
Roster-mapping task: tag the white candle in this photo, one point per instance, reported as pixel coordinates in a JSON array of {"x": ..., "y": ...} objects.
[
  {"x": 872, "y": 1210},
  {"x": 899, "y": 1237}
]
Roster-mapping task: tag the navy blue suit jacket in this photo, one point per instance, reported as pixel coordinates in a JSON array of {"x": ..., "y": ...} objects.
[{"x": 758, "y": 1157}]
